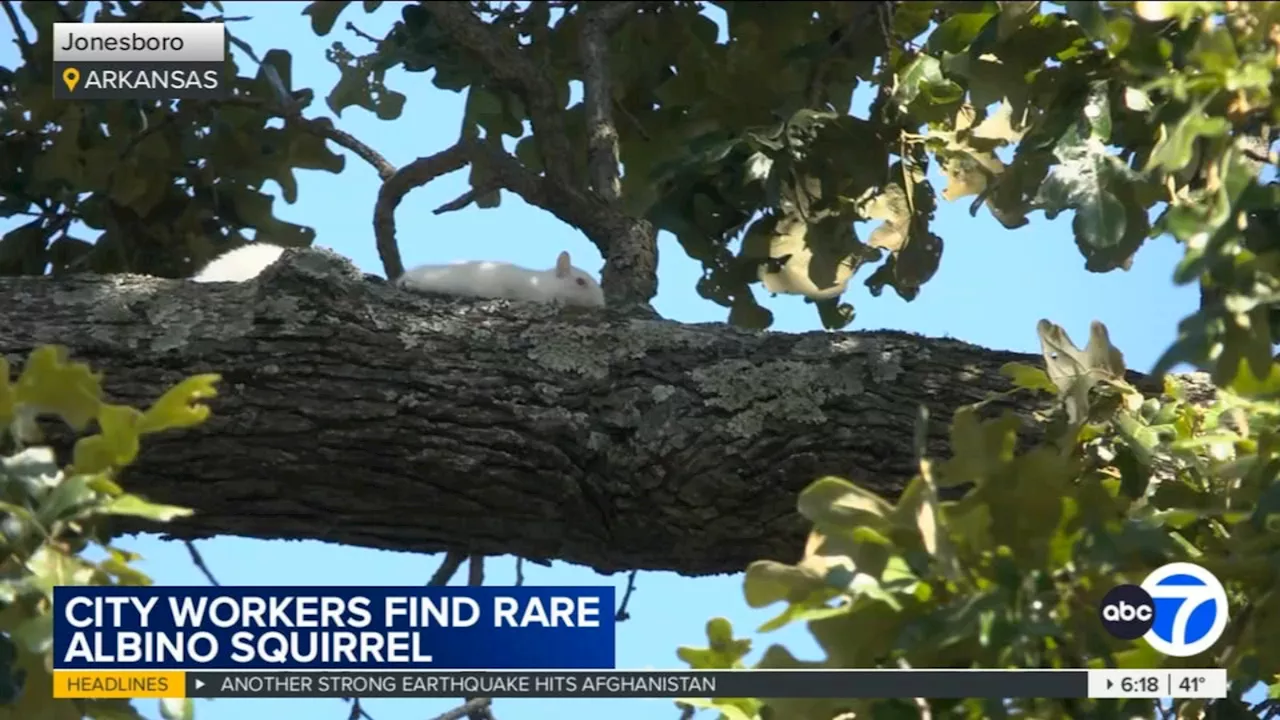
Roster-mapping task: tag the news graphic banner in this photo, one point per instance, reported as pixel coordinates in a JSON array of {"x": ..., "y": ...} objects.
[
  {"x": 122, "y": 641},
  {"x": 124, "y": 61},
  {"x": 670, "y": 684}
]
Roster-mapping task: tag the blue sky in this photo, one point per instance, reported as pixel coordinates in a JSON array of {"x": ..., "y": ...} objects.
[{"x": 992, "y": 288}]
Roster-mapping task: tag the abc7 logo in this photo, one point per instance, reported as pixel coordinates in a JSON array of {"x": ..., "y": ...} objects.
[{"x": 1179, "y": 610}]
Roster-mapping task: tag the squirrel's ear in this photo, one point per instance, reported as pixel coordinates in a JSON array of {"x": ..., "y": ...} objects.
[{"x": 562, "y": 265}]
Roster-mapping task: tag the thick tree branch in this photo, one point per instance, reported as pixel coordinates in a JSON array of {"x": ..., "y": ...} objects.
[
  {"x": 602, "y": 136},
  {"x": 631, "y": 272},
  {"x": 351, "y": 411}
]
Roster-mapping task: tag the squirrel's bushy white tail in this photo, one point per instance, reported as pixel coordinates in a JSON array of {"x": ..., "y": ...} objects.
[{"x": 243, "y": 263}]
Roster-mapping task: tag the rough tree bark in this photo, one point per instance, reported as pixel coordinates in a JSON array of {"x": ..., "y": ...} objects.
[{"x": 354, "y": 412}]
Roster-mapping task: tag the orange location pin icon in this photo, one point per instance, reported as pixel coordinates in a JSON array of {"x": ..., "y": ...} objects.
[{"x": 71, "y": 76}]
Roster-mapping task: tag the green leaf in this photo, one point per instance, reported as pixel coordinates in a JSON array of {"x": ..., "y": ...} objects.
[
  {"x": 1176, "y": 148},
  {"x": 719, "y": 631},
  {"x": 1075, "y": 372},
  {"x": 137, "y": 507},
  {"x": 724, "y": 653},
  {"x": 35, "y": 634},
  {"x": 351, "y": 89},
  {"x": 71, "y": 495},
  {"x": 180, "y": 406},
  {"x": 1108, "y": 226},
  {"x": 801, "y": 612},
  {"x": 767, "y": 582},
  {"x": 861, "y": 584},
  {"x": 389, "y": 104},
  {"x": 116, "y": 446},
  {"x": 923, "y": 77},
  {"x": 1028, "y": 377},
  {"x": 1246, "y": 384},
  {"x": 50, "y": 383},
  {"x": 981, "y": 449},
  {"x": 956, "y": 32},
  {"x": 323, "y": 15},
  {"x": 838, "y": 502},
  {"x": 118, "y": 567}
]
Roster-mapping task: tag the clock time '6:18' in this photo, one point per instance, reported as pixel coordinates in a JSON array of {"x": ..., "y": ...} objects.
[{"x": 1147, "y": 684}]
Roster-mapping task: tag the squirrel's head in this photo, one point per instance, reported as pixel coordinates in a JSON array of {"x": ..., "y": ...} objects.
[{"x": 580, "y": 287}]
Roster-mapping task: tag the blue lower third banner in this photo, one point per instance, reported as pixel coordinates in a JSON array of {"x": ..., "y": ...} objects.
[{"x": 332, "y": 628}]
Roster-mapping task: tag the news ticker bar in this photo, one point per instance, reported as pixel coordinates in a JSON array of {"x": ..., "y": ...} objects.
[{"x": 1201, "y": 683}]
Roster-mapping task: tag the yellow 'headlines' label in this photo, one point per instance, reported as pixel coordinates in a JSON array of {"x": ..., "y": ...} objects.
[{"x": 101, "y": 684}]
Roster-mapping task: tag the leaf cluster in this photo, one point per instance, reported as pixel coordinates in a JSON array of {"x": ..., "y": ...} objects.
[
  {"x": 54, "y": 518},
  {"x": 1011, "y": 574},
  {"x": 146, "y": 186}
]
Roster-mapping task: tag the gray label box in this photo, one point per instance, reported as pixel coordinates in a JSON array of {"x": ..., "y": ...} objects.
[{"x": 139, "y": 42}]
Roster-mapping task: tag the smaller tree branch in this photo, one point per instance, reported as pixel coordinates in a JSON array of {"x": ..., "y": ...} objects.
[
  {"x": 200, "y": 564},
  {"x": 19, "y": 35},
  {"x": 464, "y": 199},
  {"x": 358, "y": 712},
  {"x": 475, "y": 570},
  {"x": 351, "y": 27},
  {"x": 475, "y": 578},
  {"x": 287, "y": 107},
  {"x": 622, "y": 614},
  {"x": 448, "y": 567},
  {"x": 324, "y": 128},
  {"x": 414, "y": 175},
  {"x": 512, "y": 69}
]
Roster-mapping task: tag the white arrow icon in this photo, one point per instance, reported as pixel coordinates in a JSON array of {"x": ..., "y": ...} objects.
[{"x": 199, "y": 683}]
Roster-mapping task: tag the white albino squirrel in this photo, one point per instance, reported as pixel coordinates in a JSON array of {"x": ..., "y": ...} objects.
[{"x": 564, "y": 283}]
